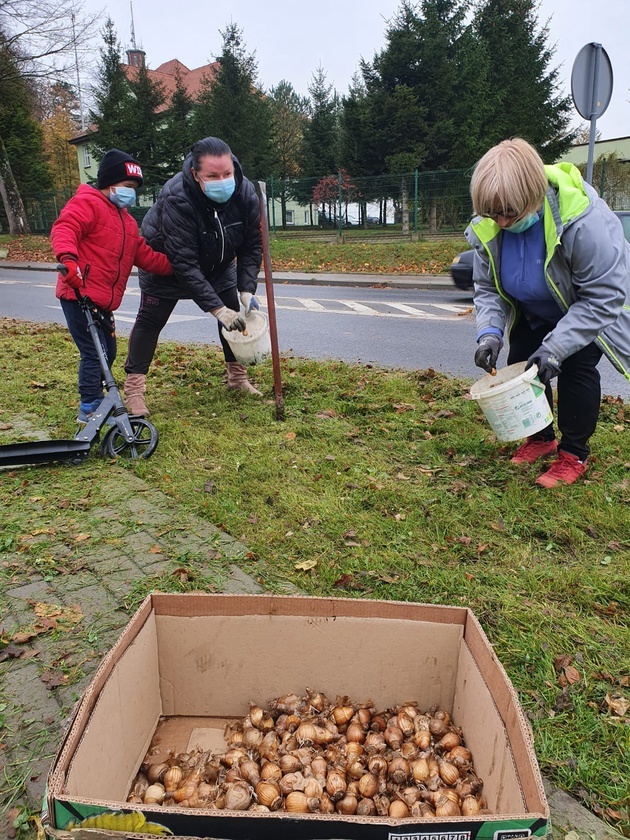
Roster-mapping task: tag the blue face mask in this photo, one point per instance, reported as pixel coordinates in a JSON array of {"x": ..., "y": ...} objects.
[
  {"x": 220, "y": 191},
  {"x": 523, "y": 224},
  {"x": 123, "y": 197}
]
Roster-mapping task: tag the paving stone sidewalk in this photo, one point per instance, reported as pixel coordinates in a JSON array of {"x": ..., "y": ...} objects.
[{"x": 145, "y": 537}]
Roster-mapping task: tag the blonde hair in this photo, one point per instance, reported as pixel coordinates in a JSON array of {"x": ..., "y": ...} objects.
[{"x": 510, "y": 176}]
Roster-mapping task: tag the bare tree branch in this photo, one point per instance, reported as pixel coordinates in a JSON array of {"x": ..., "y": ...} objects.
[{"x": 41, "y": 35}]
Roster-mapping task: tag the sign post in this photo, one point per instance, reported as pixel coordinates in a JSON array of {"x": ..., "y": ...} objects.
[{"x": 591, "y": 89}]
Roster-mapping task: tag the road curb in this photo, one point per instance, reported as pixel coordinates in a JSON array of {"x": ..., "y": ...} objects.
[{"x": 381, "y": 281}]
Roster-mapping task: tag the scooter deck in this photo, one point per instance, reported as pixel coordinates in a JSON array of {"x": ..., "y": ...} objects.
[{"x": 42, "y": 451}]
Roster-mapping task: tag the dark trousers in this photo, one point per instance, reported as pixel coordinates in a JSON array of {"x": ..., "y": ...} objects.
[
  {"x": 151, "y": 319},
  {"x": 579, "y": 390},
  {"x": 90, "y": 374}
]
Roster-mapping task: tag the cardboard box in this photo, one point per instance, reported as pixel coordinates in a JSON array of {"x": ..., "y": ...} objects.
[{"x": 186, "y": 663}]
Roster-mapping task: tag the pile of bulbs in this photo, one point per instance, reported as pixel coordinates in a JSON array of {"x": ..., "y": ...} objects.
[{"x": 308, "y": 755}]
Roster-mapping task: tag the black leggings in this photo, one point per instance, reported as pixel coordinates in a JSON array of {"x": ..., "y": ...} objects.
[
  {"x": 151, "y": 319},
  {"x": 579, "y": 390}
]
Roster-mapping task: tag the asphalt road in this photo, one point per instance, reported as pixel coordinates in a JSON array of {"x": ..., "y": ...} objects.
[{"x": 406, "y": 328}]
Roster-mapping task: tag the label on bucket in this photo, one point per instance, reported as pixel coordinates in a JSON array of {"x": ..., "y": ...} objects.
[{"x": 516, "y": 411}]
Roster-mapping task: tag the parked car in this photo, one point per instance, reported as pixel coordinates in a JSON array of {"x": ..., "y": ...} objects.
[{"x": 462, "y": 265}]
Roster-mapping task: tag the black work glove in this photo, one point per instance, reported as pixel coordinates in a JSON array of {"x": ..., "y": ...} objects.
[
  {"x": 548, "y": 364},
  {"x": 487, "y": 352}
]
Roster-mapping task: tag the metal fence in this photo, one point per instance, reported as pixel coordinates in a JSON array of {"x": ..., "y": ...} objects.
[
  {"x": 433, "y": 202},
  {"x": 413, "y": 202}
]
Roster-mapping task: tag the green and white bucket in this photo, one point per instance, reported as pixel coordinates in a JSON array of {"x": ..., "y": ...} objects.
[{"x": 513, "y": 402}]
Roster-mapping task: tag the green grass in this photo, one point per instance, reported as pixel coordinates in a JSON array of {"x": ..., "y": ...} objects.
[
  {"x": 380, "y": 484},
  {"x": 404, "y": 257}
]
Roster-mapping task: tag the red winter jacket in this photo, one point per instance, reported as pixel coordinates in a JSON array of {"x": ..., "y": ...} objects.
[{"x": 105, "y": 238}]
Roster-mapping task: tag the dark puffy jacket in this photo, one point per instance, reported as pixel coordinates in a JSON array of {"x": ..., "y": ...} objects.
[
  {"x": 202, "y": 239},
  {"x": 102, "y": 236}
]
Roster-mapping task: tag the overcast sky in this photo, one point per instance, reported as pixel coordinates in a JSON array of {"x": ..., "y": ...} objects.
[{"x": 291, "y": 40}]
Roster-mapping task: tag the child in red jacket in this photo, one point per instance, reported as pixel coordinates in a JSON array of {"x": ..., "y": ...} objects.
[{"x": 98, "y": 242}]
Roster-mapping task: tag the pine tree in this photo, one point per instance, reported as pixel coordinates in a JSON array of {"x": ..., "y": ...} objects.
[
  {"x": 113, "y": 114},
  {"x": 421, "y": 88},
  {"x": 232, "y": 107},
  {"x": 320, "y": 151},
  {"x": 177, "y": 133},
  {"x": 145, "y": 121},
  {"x": 525, "y": 99},
  {"x": 20, "y": 131}
]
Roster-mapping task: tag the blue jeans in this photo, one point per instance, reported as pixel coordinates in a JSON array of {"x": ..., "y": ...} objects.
[{"x": 90, "y": 374}]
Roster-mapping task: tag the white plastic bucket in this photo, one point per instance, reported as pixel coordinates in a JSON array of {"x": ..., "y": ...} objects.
[
  {"x": 256, "y": 345},
  {"x": 513, "y": 402}
]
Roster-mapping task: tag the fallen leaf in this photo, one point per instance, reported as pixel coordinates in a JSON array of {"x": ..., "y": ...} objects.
[
  {"x": 52, "y": 680},
  {"x": 23, "y": 636},
  {"x": 82, "y": 537},
  {"x": 402, "y": 477},
  {"x": 290, "y": 436},
  {"x": 400, "y": 407},
  {"x": 326, "y": 413},
  {"x": 306, "y": 566},
  {"x": 343, "y": 582},
  {"x": 71, "y": 615},
  {"x": 11, "y": 652},
  {"x": 253, "y": 519},
  {"x": 572, "y": 674},
  {"x": 209, "y": 487},
  {"x": 34, "y": 384},
  {"x": 618, "y": 705},
  {"x": 351, "y": 544},
  {"x": 155, "y": 549},
  {"x": 610, "y": 609},
  {"x": 181, "y": 574},
  {"x": 560, "y": 662}
]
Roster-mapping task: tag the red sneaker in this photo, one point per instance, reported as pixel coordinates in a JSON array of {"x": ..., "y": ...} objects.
[
  {"x": 533, "y": 449},
  {"x": 567, "y": 469}
]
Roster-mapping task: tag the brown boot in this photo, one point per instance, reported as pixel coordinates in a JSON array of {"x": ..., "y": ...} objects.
[
  {"x": 237, "y": 379},
  {"x": 135, "y": 386}
]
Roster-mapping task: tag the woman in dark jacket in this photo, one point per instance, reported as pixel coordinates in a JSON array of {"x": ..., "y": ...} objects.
[{"x": 207, "y": 221}]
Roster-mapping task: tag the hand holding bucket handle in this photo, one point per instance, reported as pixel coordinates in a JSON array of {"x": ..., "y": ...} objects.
[
  {"x": 230, "y": 319},
  {"x": 548, "y": 364}
]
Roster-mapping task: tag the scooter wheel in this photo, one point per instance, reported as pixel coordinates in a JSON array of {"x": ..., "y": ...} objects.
[{"x": 143, "y": 445}]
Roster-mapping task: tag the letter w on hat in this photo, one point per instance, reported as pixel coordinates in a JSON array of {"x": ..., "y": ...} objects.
[{"x": 133, "y": 169}]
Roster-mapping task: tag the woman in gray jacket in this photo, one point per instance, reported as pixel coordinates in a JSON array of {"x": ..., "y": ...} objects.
[{"x": 552, "y": 273}]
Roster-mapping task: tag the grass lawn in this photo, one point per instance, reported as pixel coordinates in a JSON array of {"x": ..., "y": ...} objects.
[
  {"x": 378, "y": 484},
  {"x": 425, "y": 257}
]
